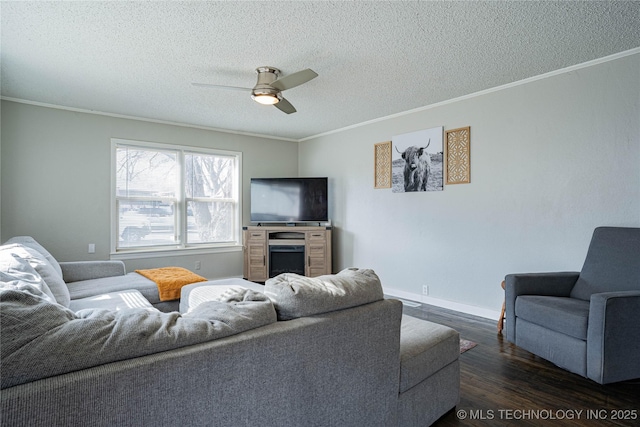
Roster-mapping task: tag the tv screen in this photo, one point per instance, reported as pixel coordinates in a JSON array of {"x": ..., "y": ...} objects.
[{"x": 289, "y": 200}]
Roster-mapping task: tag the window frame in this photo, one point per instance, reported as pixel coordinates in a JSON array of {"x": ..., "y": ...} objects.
[{"x": 181, "y": 247}]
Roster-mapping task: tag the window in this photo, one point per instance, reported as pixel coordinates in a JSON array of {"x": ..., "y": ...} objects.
[{"x": 174, "y": 197}]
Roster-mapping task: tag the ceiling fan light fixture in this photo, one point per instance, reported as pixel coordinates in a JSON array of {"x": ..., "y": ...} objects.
[{"x": 265, "y": 98}]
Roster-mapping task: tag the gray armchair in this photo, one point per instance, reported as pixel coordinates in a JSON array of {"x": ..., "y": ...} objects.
[{"x": 587, "y": 322}]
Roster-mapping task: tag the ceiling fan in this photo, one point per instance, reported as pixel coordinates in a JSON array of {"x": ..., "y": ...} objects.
[{"x": 267, "y": 89}]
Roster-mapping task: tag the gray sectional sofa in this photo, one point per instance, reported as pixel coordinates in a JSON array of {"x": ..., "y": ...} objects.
[{"x": 328, "y": 351}]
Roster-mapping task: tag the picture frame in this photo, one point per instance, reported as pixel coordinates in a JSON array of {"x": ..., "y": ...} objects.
[
  {"x": 458, "y": 155},
  {"x": 382, "y": 165},
  {"x": 417, "y": 163}
]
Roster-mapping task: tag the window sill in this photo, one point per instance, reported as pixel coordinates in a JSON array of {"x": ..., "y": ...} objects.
[{"x": 159, "y": 253}]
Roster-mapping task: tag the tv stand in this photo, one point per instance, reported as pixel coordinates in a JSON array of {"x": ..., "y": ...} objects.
[{"x": 268, "y": 249}]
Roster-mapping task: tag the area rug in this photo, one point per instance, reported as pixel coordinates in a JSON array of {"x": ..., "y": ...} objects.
[{"x": 466, "y": 345}]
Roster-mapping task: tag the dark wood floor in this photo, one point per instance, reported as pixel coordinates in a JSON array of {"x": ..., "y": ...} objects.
[{"x": 501, "y": 384}]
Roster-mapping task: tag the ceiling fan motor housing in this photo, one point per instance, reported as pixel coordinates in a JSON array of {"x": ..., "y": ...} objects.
[{"x": 266, "y": 76}]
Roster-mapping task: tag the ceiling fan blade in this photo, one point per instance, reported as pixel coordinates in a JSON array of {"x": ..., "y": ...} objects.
[
  {"x": 244, "y": 89},
  {"x": 295, "y": 79},
  {"x": 285, "y": 106}
]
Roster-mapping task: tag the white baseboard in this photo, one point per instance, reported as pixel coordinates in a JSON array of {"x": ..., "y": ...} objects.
[{"x": 451, "y": 305}]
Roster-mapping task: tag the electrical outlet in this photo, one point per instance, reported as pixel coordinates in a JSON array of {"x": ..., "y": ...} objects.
[
  {"x": 198, "y": 265},
  {"x": 425, "y": 290},
  {"x": 92, "y": 248}
]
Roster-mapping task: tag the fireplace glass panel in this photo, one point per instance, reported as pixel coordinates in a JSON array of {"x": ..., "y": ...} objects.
[{"x": 286, "y": 259}]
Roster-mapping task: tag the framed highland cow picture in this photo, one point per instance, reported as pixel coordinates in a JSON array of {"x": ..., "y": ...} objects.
[{"x": 417, "y": 161}]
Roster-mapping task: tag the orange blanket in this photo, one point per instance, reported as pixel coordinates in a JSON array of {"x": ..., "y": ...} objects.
[{"x": 170, "y": 280}]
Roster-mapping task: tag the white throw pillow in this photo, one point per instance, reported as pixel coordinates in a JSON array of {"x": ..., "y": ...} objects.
[
  {"x": 30, "y": 242},
  {"x": 17, "y": 273},
  {"x": 43, "y": 268}
]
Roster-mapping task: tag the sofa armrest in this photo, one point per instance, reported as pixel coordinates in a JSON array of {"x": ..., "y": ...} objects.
[
  {"x": 613, "y": 337},
  {"x": 558, "y": 284},
  {"x": 86, "y": 270}
]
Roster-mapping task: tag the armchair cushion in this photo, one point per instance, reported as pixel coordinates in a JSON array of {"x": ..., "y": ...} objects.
[
  {"x": 611, "y": 263},
  {"x": 556, "y": 284},
  {"x": 565, "y": 315}
]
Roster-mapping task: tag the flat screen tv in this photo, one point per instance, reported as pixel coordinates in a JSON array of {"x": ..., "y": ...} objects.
[{"x": 289, "y": 200}]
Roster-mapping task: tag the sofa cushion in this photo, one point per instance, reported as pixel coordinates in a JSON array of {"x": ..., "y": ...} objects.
[
  {"x": 568, "y": 316},
  {"x": 612, "y": 263},
  {"x": 105, "y": 285},
  {"x": 425, "y": 348},
  {"x": 44, "y": 268},
  {"x": 76, "y": 271},
  {"x": 298, "y": 296},
  {"x": 40, "y": 339},
  {"x": 30, "y": 242},
  {"x": 130, "y": 298}
]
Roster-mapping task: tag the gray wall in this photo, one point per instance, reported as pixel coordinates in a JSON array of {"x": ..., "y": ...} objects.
[
  {"x": 550, "y": 160},
  {"x": 56, "y": 178}
]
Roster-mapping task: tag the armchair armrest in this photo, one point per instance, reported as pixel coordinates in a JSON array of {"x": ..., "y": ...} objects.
[
  {"x": 558, "y": 284},
  {"x": 613, "y": 337},
  {"x": 76, "y": 271}
]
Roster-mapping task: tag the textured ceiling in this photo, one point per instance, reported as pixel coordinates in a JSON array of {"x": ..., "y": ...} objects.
[{"x": 374, "y": 59}]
